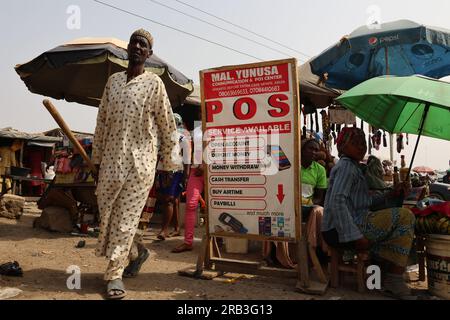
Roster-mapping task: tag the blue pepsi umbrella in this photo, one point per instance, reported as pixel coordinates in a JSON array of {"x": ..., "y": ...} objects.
[{"x": 400, "y": 48}]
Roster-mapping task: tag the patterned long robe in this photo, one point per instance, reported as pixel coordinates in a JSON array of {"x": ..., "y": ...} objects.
[{"x": 133, "y": 119}]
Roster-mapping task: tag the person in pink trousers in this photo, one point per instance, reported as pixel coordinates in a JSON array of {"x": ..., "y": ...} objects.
[{"x": 194, "y": 191}]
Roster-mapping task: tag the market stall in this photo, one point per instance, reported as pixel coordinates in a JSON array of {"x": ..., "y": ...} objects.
[
  {"x": 74, "y": 181},
  {"x": 416, "y": 105},
  {"x": 25, "y": 158}
]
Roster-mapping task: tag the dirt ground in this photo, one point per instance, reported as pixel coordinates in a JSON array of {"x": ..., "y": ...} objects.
[{"x": 45, "y": 256}]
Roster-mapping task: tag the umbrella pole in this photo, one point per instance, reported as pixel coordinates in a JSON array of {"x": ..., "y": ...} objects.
[
  {"x": 425, "y": 113},
  {"x": 391, "y": 135}
]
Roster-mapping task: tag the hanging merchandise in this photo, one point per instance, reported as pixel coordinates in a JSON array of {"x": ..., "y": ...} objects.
[
  {"x": 362, "y": 124},
  {"x": 332, "y": 125},
  {"x": 308, "y": 107},
  {"x": 338, "y": 129},
  {"x": 370, "y": 145},
  {"x": 317, "y": 122},
  {"x": 311, "y": 119},
  {"x": 325, "y": 126},
  {"x": 384, "y": 139},
  {"x": 334, "y": 136},
  {"x": 305, "y": 118},
  {"x": 407, "y": 139},
  {"x": 376, "y": 140},
  {"x": 400, "y": 144}
]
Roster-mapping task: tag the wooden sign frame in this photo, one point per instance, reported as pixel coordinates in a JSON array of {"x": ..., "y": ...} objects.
[{"x": 210, "y": 253}]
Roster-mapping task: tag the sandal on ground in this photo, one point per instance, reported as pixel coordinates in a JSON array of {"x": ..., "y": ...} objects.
[
  {"x": 115, "y": 289},
  {"x": 162, "y": 236},
  {"x": 133, "y": 268},
  {"x": 182, "y": 248}
]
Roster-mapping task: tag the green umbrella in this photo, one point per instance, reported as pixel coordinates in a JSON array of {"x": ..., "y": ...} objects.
[{"x": 414, "y": 104}]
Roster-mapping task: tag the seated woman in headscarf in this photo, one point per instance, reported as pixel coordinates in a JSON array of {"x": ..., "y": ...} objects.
[
  {"x": 348, "y": 220},
  {"x": 314, "y": 185}
]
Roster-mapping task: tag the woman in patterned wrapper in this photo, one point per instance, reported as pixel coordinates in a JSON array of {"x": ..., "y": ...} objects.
[
  {"x": 134, "y": 117},
  {"x": 354, "y": 218}
]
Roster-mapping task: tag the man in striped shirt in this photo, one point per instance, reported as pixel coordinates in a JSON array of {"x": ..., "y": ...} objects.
[{"x": 349, "y": 222}]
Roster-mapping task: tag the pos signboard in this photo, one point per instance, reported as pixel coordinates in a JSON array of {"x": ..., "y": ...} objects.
[{"x": 251, "y": 142}]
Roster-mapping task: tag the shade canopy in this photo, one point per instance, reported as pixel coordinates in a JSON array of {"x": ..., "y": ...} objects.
[
  {"x": 401, "y": 48},
  {"x": 397, "y": 104},
  {"x": 78, "y": 71}
]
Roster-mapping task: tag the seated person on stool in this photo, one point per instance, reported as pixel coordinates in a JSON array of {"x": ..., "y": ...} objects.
[
  {"x": 348, "y": 220},
  {"x": 314, "y": 184}
]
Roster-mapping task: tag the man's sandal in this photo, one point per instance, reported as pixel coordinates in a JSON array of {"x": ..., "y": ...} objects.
[
  {"x": 132, "y": 270},
  {"x": 161, "y": 236},
  {"x": 115, "y": 289}
]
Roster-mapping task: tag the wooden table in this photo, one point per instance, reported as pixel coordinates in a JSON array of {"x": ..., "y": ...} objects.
[{"x": 16, "y": 179}]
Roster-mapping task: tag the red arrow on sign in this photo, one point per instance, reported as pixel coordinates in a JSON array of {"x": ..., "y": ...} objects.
[{"x": 280, "y": 194}]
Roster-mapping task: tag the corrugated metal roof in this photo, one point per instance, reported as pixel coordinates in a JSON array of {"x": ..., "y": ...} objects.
[
  {"x": 10, "y": 133},
  {"x": 57, "y": 132}
]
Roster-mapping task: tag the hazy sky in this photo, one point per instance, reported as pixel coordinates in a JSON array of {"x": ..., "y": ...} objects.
[{"x": 30, "y": 27}]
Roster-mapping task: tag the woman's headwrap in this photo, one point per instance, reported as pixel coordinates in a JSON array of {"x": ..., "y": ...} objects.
[{"x": 347, "y": 135}]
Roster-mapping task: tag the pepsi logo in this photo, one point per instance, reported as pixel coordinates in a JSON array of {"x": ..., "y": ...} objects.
[{"x": 373, "y": 41}]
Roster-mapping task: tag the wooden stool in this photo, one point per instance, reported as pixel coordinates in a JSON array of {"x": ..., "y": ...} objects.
[{"x": 337, "y": 266}]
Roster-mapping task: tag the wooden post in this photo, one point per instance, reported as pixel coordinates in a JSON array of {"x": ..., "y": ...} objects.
[
  {"x": 302, "y": 262},
  {"x": 21, "y": 155},
  {"x": 420, "y": 245}
]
